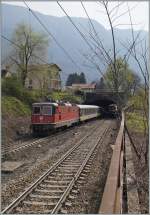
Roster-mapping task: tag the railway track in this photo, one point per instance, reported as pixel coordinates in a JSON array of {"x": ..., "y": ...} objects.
[
  {"x": 56, "y": 188},
  {"x": 21, "y": 146},
  {"x": 10, "y": 149}
]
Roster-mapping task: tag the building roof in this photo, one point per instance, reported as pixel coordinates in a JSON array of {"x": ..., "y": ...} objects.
[
  {"x": 84, "y": 86},
  {"x": 33, "y": 66}
]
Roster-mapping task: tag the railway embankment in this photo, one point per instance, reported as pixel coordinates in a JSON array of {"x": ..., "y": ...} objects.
[
  {"x": 135, "y": 121},
  {"x": 15, "y": 119}
]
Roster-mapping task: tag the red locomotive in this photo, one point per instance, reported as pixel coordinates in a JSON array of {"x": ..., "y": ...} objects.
[{"x": 49, "y": 116}]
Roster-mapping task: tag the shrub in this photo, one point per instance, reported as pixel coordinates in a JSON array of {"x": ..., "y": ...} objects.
[
  {"x": 65, "y": 96},
  {"x": 13, "y": 106},
  {"x": 12, "y": 87},
  {"x": 30, "y": 97}
]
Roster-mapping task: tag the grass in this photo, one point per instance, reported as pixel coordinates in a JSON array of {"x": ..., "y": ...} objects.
[
  {"x": 13, "y": 106},
  {"x": 136, "y": 122}
]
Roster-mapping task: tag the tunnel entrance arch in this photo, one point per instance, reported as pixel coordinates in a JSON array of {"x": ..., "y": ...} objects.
[
  {"x": 101, "y": 102},
  {"x": 105, "y": 98}
]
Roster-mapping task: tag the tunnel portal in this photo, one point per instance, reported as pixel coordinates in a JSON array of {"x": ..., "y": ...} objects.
[{"x": 104, "y": 98}]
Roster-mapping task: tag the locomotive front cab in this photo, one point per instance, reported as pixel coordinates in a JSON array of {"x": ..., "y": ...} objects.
[{"x": 42, "y": 118}]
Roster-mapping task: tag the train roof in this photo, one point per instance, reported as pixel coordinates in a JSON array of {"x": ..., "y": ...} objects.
[
  {"x": 45, "y": 103},
  {"x": 87, "y": 106},
  {"x": 54, "y": 103},
  {"x": 66, "y": 104}
]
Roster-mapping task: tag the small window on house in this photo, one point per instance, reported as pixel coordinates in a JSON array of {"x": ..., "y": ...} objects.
[
  {"x": 30, "y": 87},
  {"x": 30, "y": 82}
]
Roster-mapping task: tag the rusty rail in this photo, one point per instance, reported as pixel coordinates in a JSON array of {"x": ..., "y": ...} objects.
[{"x": 112, "y": 196}]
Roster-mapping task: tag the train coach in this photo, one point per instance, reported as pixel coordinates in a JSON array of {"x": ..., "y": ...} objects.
[
  {"x": 87, "y": 112},
  {"x": 48, "y": 116}
]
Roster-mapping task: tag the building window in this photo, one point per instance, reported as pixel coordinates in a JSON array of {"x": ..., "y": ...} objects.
[
  {"x": 30, "y": 85},
  {"x": 30, "y": 82}
]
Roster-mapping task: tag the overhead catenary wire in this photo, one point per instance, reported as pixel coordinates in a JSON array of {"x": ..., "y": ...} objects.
[
  {"x": 96, "y": 34},
  {"x": 42, "y": 60},
  {"x": 82, "y": 35},
  {"x": 52, "y": 36},
  {"x": 99, "y": 43}
]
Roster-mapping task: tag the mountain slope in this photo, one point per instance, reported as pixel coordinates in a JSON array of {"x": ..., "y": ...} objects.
[{"x": 66, "y": 35}]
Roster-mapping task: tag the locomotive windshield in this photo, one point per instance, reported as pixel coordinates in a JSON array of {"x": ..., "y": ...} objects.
[
  {"x": 36, "y": 110},
  {"x": 42, "y": 109},
  {"x": 47, "y": 110}
]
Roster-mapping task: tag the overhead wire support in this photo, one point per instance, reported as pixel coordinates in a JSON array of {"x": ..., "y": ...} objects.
[{"x": 51, "y": 35}]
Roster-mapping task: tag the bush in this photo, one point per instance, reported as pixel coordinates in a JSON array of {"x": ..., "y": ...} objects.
[
  {"x": 30, "y": 97},
  {"x": 65, "y": 96},
  {"x": 13, "y": 106},
  {"x": 12, "y": 87},
  {"x": 135, "y": 121}
]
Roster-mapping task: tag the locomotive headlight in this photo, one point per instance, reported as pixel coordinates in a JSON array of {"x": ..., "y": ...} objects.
[{"x": 41, "y": 118}]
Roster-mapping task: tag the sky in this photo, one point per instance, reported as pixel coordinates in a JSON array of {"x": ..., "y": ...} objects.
[{"x": 139, "y": 11}]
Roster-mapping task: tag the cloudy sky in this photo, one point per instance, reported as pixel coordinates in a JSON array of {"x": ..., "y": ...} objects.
[{"x": 139, "y": 11}]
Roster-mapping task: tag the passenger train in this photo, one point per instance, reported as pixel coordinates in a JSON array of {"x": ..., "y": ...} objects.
[{"x": 49, "y": 116}]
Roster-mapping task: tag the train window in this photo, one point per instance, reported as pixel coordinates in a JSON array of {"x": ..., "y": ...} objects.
[
  {"x": 36, "y": 110},
  {"x": 47, "y": 110}
]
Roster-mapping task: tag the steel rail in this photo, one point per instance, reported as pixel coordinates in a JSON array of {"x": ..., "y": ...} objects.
[
  {"x": 26, "y": 144},
  {"x": 29, "y": 190},
  {"x": 37, "y": 140},
  {"x": 23, "y": 146},
  {"x": 112, "y": 196},
  {"x": 77, "y": 175}
]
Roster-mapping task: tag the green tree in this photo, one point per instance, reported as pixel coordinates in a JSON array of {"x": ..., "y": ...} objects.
[
  {"x": 127, "y": 80},
  {"x": 69, "y": 80},
  {"x": 75, "y": 78},
  {"x": 29, "y": 45},
  {"x": 82, "y": 78}
]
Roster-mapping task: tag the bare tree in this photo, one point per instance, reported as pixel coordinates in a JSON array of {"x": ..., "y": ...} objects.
[
  {"x": 28, "y": 44},
  {"x": 107, "y": 56}
]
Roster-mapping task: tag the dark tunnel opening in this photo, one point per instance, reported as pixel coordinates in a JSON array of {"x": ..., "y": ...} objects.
[
  {"x": 101, "y": 103},
  {"x": 104, "y": 104}
]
